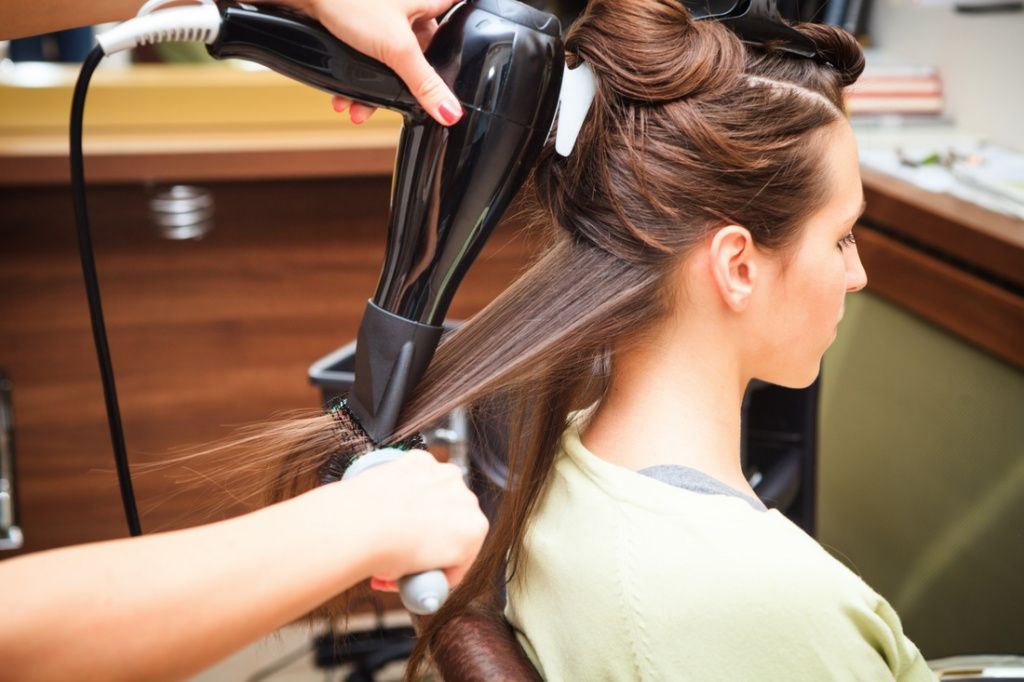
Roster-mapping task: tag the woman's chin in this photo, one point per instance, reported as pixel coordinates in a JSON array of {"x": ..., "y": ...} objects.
[
  {"x": 803, "y": 383},
  {"x": 795, "y": 379}
]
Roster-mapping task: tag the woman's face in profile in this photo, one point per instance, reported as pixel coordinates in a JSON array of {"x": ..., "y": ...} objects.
[{"x": 806, "y": 298}]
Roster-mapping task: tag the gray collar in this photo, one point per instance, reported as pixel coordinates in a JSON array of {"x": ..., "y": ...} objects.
[{"x": 697, "y": 481}]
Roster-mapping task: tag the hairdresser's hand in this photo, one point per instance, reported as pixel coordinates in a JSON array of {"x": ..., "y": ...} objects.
[
  {"x": 212, "y": 589},
  {"x": 422, "y": 517},
  {"x": 394, "y": 32}
]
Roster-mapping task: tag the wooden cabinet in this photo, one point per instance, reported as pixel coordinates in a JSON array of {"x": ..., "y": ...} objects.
[
  {"x": 205, "y": 335},
  {"x": 957, "y": 265}
]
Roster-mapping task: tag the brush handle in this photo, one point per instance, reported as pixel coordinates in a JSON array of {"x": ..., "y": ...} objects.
[{"x": 422, "y": 593}]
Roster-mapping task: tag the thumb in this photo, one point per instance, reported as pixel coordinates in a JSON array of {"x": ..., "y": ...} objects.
[{"x": 430, "y": 91}]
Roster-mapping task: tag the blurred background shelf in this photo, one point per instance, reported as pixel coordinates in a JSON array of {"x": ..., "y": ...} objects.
[{"x": 159, "y": 123}]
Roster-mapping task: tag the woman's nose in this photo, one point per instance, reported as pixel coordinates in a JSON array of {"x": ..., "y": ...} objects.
[{"x": 856, "y": 277}]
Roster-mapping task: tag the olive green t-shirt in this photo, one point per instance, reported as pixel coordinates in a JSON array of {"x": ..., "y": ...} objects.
[{"x": 624, "y": 577}]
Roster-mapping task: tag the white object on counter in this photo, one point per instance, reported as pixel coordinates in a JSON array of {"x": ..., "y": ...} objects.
[{"x": 971, "y": 169}]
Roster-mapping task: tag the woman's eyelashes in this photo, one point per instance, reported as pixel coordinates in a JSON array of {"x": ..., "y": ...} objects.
[{"x": 848, "y": 240}]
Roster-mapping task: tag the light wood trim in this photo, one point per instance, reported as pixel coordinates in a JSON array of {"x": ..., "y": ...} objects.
[
  {"x": 165, "y": 123},
  {"x": 36, "y": 97},
  {"x": 203, "y": 155}
]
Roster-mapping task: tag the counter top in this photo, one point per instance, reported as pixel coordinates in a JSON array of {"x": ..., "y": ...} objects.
[
  {"x": 950, "y": 260},
  {"x": 165, "y": 123},
  {"x": 962, "y": 231}
]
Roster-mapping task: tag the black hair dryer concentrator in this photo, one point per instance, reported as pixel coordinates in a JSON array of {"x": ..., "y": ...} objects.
[{"x": 503, "y": 60}]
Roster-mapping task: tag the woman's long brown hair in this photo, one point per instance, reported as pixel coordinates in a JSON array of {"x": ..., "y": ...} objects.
[{"x": 690, "y": 129}]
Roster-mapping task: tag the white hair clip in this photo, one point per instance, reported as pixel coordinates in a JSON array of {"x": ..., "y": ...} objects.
[{"x": 577, "y": 94}]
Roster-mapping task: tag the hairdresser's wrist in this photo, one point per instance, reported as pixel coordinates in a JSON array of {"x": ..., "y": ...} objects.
[{"x": 344, "y": 533}]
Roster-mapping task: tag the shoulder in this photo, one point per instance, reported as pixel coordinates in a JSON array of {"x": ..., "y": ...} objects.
[
  {"x": 664, "y": 580},
  {"x": 693, "y": 583}
]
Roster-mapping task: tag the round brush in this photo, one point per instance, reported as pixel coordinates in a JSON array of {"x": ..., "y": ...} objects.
[{"x": 421, "y": 593}]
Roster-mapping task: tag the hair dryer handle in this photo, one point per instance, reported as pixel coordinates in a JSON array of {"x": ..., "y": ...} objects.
[{"x": 302, "y": 49}]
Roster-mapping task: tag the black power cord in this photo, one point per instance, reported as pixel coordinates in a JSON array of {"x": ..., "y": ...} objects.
[{"x": 92, "y": 291}]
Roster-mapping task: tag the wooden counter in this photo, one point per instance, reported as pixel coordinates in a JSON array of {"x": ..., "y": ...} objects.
[
  {"x": 955, "y": 264},
  {"x": 205, "y": 336}
]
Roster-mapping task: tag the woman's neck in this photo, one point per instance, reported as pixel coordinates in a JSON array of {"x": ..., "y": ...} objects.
[{"x": 674, "y": 403}]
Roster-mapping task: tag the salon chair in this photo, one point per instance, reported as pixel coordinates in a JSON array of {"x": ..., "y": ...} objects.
[{"x": 778, "y": 454}]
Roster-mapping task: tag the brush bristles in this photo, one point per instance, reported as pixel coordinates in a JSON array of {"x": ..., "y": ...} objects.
[{"x": 355, "y": 442}]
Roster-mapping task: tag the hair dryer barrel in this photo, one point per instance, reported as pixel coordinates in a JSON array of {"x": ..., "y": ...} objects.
[
  {"x": 452, "y": 185},
  {"x": 451, "y": 188},
  {"x": 503, "y": 60}
]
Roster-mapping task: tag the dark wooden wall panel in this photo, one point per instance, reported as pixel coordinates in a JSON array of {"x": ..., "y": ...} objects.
[
  {"x": 990, "y": 316},
  {"x": 204, "y": 335}
]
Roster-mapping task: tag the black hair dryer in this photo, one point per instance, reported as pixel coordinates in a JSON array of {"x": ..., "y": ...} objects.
[{"x": 503, "y": 60}]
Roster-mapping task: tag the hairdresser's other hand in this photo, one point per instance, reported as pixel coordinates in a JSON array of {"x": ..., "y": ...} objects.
[
  {"x": 422, "y": 517},
  {"x": 394, "y": 32}
]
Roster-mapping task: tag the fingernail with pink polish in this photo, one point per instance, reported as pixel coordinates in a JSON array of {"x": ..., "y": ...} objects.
[{"x": 450, "y": 111}]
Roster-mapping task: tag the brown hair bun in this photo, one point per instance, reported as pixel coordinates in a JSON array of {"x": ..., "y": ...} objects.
[{"x": 654, "y": 52}]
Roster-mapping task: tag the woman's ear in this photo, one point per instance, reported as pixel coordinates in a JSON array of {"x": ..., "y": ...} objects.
[{"x": 733, "y": 267}]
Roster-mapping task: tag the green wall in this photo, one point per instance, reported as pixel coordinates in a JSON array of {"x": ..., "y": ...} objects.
[{"x": 921, "y": 478}]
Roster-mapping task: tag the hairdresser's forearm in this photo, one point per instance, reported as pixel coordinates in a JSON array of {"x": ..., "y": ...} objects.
[
  {"x": 168, "y": 605},
  {"x": 19, "y": 18}
]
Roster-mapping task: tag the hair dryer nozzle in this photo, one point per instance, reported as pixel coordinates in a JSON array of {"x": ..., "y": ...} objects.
[{"x": 392, "y": 353}]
